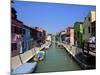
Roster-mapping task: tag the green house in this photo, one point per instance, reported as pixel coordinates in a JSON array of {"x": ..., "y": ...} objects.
[{"x": 78, "y": 30}]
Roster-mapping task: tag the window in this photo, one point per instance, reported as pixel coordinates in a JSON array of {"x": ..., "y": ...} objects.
[
  {"x": 89, "y": 19},
  {"x": 20, "y": 30},
  {"x": 93, "y": 29},
  {"x": 13, "y": 46},
  {"x": 78, "y": 35},
  {"x": 24, "y": 31},
  {"x": 16, "y": 30},
  {"x": 89, "y": 29},
  {"x": 12, "y": 29},
  {"x": 83, "y": 30},
  {"x": 23, "y": 44}
]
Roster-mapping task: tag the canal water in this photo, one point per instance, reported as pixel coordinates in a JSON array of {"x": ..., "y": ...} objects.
[{"x": 57, "y": 59}]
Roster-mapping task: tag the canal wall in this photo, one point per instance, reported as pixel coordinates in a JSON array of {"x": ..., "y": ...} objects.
[
  {"x": 73, "y": 51},
  {"x": 25, "y": 57}
]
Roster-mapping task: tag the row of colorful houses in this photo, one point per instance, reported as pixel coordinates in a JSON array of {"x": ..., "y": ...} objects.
[
  {"x": 86, "y": 29},
  {"x": 24, "y": 37},
  {"x": 81, "y": 31}
]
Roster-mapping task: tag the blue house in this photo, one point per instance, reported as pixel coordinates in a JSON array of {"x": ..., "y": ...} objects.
[{"x": 26, "y": 38}]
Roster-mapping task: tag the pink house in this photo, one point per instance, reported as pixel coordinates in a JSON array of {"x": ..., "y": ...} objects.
[
  {"x": 70, "y": 35},
  {"x": 16, "y": 33}
]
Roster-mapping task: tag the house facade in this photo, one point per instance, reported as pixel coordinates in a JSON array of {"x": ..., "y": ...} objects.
[
  {"x": 26, "y": 39},
  {"x": 70, "y": 36},
  {"x": 89, "y": 25},
  {"x": 78, "y": 31},
  {"x": 16, "y": 33},
  {"x": 40, "y": 35}
]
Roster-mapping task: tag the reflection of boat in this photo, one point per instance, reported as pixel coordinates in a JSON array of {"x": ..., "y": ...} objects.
[{"x": 39, "y": 56}]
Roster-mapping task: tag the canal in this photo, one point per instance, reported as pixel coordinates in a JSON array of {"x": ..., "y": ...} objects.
[{"x": 57, "y": 59}]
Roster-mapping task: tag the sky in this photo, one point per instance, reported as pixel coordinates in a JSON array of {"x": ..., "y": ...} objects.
[{"x": 52, "y": 17}]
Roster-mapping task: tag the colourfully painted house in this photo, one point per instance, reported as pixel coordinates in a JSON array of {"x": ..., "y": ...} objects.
[
  {"x": 16, "y": 33},
  {"x": 89, "y": 25},
  {"x": 26, "y": 38},
  {"x": 70, "y": 36},
  {"x": 78, "y": 31}
]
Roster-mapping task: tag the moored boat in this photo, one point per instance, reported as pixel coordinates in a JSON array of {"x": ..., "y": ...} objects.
[{"x": 39, "y": 56}]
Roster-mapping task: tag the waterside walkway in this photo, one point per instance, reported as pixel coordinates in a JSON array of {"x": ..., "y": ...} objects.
[{"x": 85, "y": 61}]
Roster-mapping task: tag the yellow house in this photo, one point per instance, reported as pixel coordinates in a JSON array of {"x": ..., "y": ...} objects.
[{"x": 89, "y": 25}]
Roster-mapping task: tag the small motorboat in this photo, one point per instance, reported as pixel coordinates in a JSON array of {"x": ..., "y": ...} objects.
[{"x": 39, "y": 56}]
